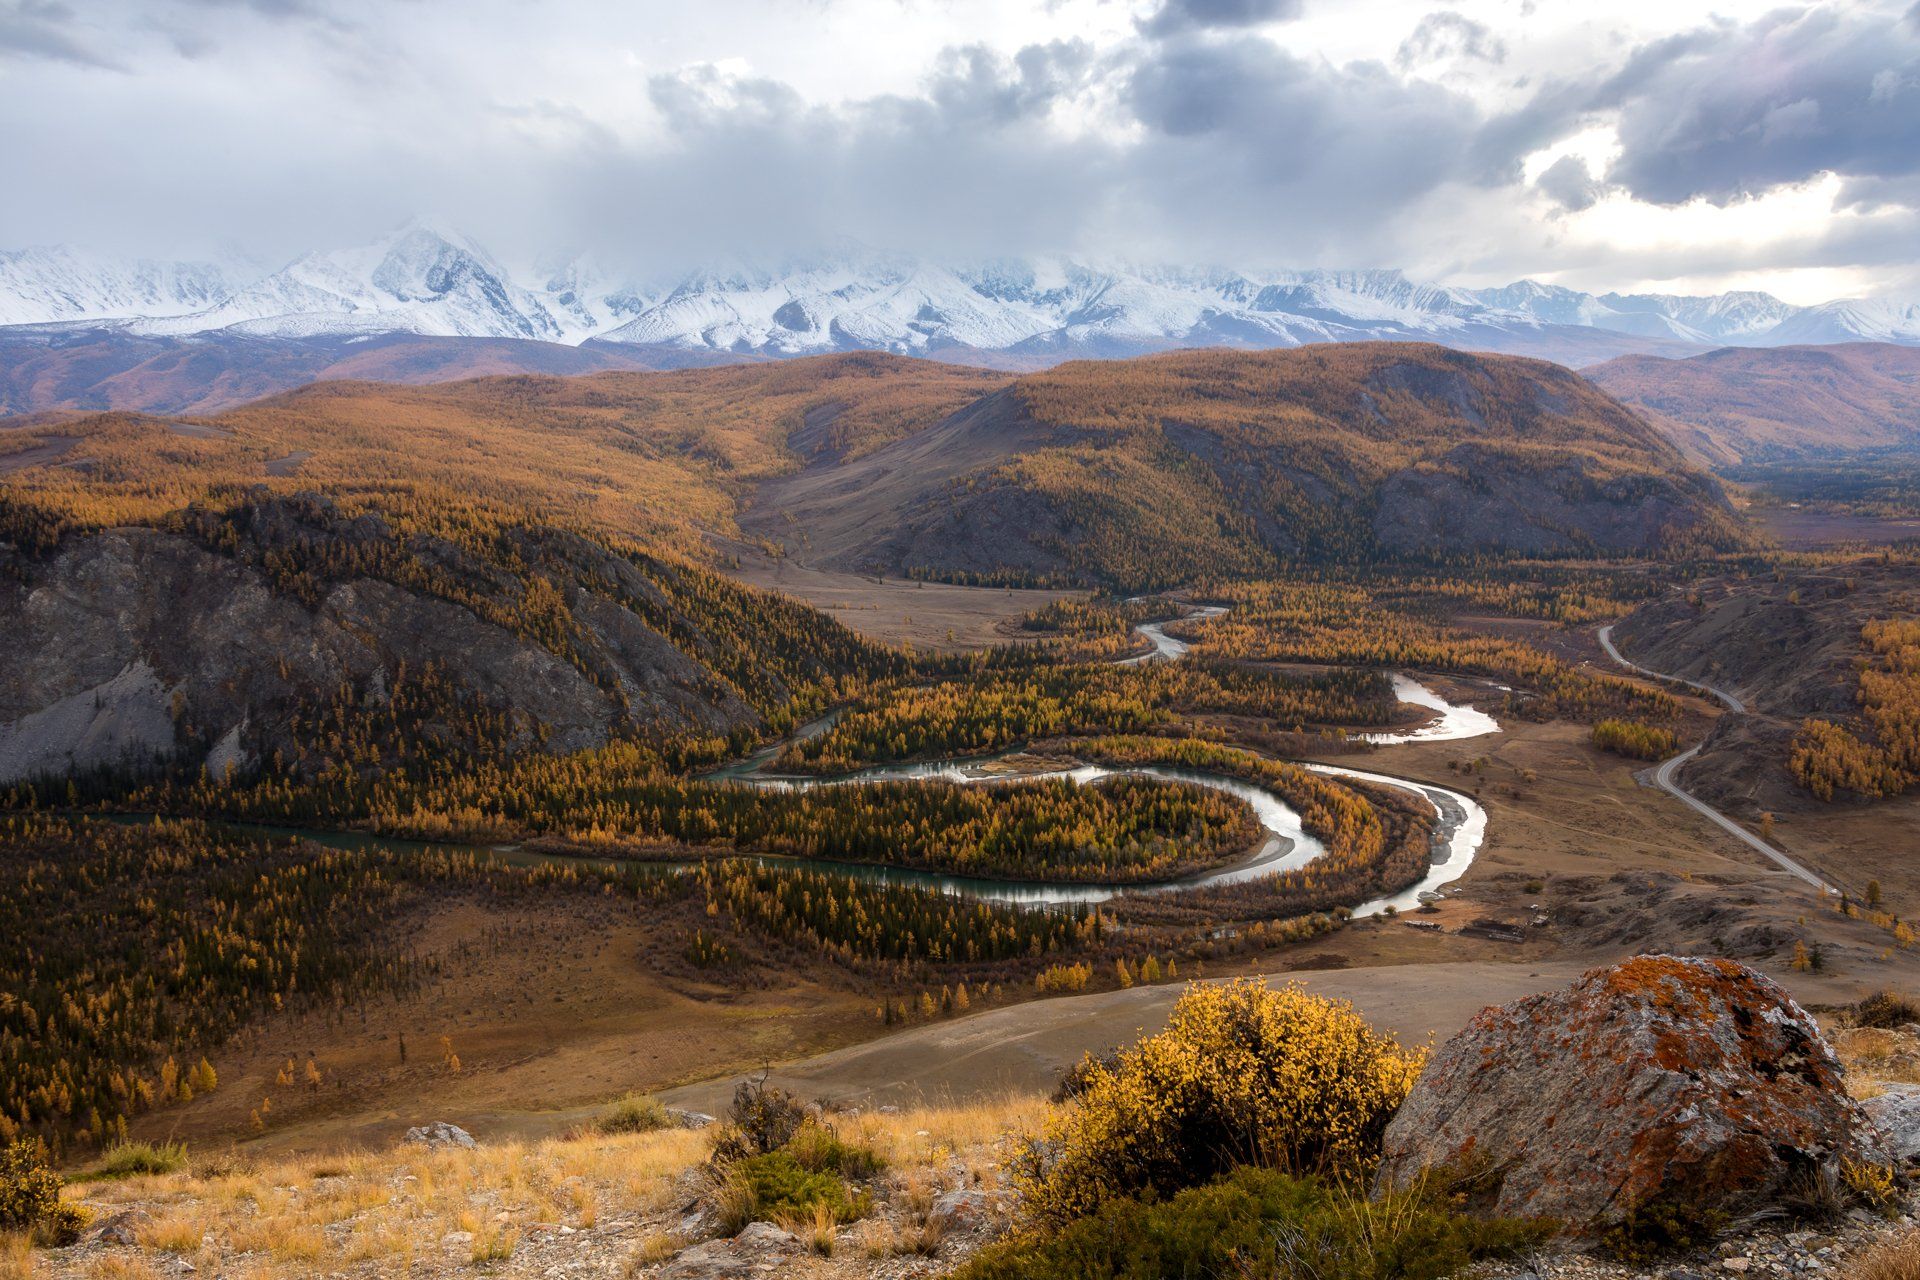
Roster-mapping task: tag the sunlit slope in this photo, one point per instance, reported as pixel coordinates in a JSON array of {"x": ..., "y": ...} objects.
[
  {"x": 1205, "y": 463},
  {"x": 660, "y": 456}
]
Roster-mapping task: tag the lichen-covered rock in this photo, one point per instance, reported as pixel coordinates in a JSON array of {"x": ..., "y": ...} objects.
[
  {"x": 1661, "y": 1080},
  {"x": 439, "y": 1134}
]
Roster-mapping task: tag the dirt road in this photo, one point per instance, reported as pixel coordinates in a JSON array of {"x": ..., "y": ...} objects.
[{"x": 1665, "y": 776}]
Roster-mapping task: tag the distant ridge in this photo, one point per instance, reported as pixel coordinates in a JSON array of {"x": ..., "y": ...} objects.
[{"x": 1738, "y": 405}]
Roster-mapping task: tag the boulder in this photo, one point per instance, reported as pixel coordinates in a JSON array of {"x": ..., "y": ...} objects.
[
  {"x": 714, "y": 1260},
  {"x": 765, "y": 1236},
  {"x": 441, "y": 1134},
  {"x": 751, "y": 1253},
  {"x": 1896, "y": 1114},
  {"x": 122, "y": 1228},
  {"x": 1661, "y": 1080},
  {"x": 962, "y": 1209}
]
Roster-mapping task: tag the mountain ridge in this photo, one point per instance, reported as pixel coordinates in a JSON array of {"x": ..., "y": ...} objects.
[
  {"x": 1145, "y": 472},
  {"x": 1204, "y": 464},
  {"x": 1739, "y": 405},
  {"x": 430, "y": 280}
]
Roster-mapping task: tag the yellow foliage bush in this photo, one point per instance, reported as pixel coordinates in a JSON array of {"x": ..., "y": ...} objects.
[{"x": 1243, "y": 1074}]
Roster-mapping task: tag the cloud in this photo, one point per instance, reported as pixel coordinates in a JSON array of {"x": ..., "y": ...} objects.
[
  {"x": 1179, "y": 17},
  {"x": 40, "y": 29},
  {"x": 1205, "y": 132},
  {"x": 1570, "y": 184},
  {"x": 1730, "y": 111},
  {"x": 1446, "y": 36}
]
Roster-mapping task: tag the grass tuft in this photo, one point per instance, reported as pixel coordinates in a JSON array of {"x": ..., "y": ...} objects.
[
  {"x": 633, "y": 1113},
  {"x": 141, "y": 1159}
]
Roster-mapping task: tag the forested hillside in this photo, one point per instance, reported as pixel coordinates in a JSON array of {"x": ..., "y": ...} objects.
[
  {"x": 1160, "y": 470},
  {"x": 657, "y": 456}
]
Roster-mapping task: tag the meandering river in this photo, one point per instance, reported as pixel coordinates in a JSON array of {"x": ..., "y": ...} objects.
[{"x": 1460, "y": 828}]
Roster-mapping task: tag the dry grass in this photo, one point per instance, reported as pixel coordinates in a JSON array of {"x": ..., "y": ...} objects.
[
  {"x": 494, "y": 1244},
  {"x": 657, "y": 1248},
  {"x": 819, "y": 1231},
  {"x": 174, "y": 1233},
  {"x": 386, "y": 1211},
  {"x": 16, "y": 1258},
  {"x": 1877, "y": 1055},
  {"x": 121, "y": 1267},
  {"x": 1895, "y": 1260}
]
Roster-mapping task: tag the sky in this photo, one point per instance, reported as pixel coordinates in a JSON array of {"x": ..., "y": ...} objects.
[{"x": 1664, "y": 145}]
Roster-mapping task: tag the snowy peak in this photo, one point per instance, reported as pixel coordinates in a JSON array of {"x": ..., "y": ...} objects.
[
  {"x": 429, "y": 278},
  {"x": 1858, "y": 320},
  {"x": 57, "y": 284},
  {"x": 422, "y": 279}
]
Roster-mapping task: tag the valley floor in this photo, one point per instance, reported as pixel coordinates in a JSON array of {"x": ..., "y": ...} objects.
[{"x": 551, "y": 1014}]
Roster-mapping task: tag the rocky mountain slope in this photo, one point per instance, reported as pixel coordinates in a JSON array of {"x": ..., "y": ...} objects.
[
  {"x": 276, "y": 625},
  {"x": 1177, "y": 467},
  {"x": 1739, "y": 405},
  {"x": 430, "y": 280}
]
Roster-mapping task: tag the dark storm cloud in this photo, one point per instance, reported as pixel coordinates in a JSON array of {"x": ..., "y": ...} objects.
[
  {"x": 38, "y": 29},
  {"x": 1176, "y": 17},
  {"x": 1256, "y": 114},
  {"x": 1733, "y": 110}
]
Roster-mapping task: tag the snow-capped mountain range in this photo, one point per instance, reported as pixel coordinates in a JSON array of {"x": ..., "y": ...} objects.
[{"x": 428, "y": 279}]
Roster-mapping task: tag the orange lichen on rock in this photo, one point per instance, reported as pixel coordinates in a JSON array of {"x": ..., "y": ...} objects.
[{"x": 1663, "y": 1079}]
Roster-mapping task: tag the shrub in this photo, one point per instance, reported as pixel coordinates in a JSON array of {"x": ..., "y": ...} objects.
[
  {"x": 777, "y": 1161},
  {"x": 819, "y": 1149},
  {"x": 781, "y": 1188},
  {"x": 1885, "y": 1010},
  {"x": 1661, "y": 1228},
  {"x": 1261, "y": 1222},
  {"x": 1241, "y": 1075},
  {"x": 761, "y": 1120},
  {"x": 633, "y": 1113},
  {"x": 1876, "y": 1186},
  {"x": 132, "y": 1159},
  {"x": 1073, "y": 1082},
  {"x": 30, "y": 1197}
]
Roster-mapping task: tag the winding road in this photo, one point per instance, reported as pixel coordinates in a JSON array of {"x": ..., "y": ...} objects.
[{"x": 1664, "y": 776}]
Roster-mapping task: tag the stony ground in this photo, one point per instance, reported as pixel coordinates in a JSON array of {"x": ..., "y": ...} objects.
[
  {"x": 634, "y": 1205},
  {"x": 589, "y": 1205},
  {"x": 1838, "y": 1249}
]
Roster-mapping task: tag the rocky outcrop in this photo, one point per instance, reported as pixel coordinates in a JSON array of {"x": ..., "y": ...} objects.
[
  {"x": 1658, "y": 1081},
  {"x": 135, "y": 646},
  {"x": 439, "y": 1134},
  {"x": 757, "y": 1250}
]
